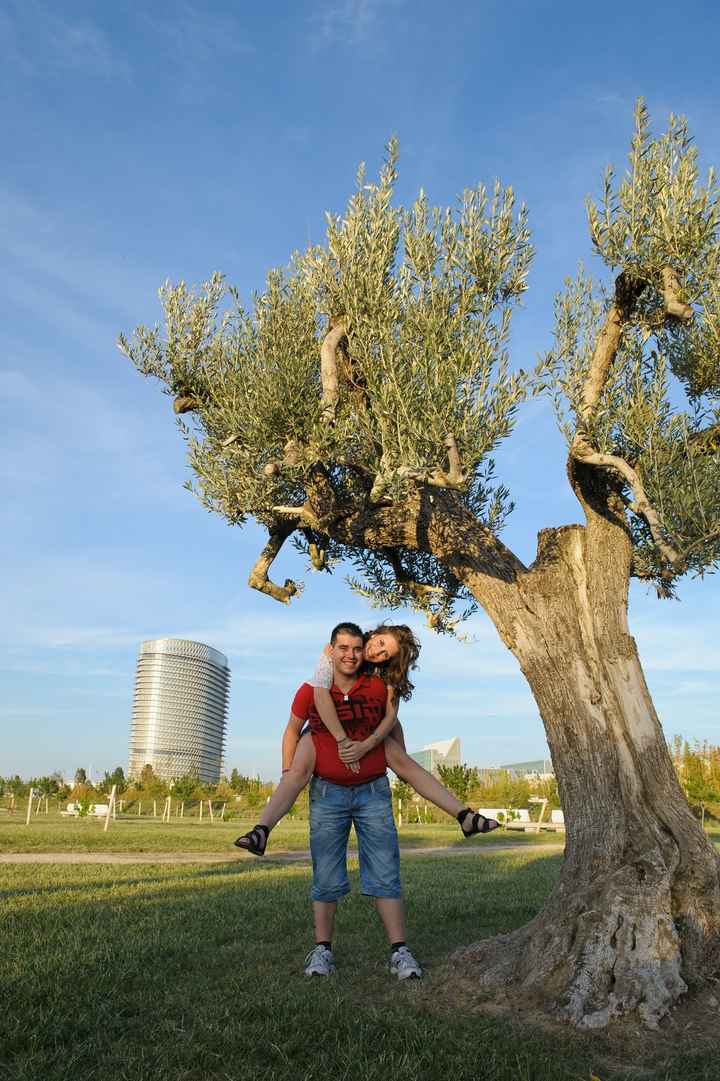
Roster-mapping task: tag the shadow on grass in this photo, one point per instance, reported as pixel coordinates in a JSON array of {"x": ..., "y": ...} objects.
[
  {"x": 195, "y": 974},
  {"x": 32, "y": 889}
]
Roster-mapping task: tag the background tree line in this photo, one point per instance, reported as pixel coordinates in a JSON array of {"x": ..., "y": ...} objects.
[
  {"x": 241, "y": 791},
  {"x": 697, "y": 765}
]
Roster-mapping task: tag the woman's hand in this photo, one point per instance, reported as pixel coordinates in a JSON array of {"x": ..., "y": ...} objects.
[
  {"x": 353, "y": 750},
  {"x": 352, "y": 763}
]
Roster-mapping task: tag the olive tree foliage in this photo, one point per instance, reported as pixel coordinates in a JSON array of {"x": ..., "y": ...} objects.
[
  {"x": 422, "y": 387},
  {"x": 376, "y": 366},
  {"x": 650, "y": 413}
]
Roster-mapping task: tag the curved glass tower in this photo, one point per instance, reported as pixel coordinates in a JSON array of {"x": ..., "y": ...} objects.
[{"x": 179, "y": 709}]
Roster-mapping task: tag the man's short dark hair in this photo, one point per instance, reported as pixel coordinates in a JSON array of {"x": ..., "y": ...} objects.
[{"x": 345, "y": 628}]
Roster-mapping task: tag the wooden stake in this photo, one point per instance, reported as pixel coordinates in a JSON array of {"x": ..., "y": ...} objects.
[
  {"x": 111, "y": 809},
  {"x": 210, "y": 810},
  {"x": 222, "y": 813},
  {"x": 154, "y": 808},
  {"x": 29, "y": 807},
  {"x": 201, "y": 803},
  {"x": 139, "y": 806},
  {"x": 182, "y": 809}
]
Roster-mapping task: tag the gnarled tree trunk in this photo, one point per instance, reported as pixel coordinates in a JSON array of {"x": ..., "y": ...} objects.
[
  {"x": 634, "y": 918},
  {"x": 635, "y": 915}
]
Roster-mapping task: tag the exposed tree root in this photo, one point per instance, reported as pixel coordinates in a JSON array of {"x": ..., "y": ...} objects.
[{"x": 621, "y": 956}]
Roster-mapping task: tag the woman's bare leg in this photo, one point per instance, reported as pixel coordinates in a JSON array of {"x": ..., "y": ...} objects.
[
  {"x": 423, "y": 782},
  {"x": 291, "y": 784}
]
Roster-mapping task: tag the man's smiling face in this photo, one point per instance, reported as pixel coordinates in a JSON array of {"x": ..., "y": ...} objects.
[{"x": 347, "y": 654}]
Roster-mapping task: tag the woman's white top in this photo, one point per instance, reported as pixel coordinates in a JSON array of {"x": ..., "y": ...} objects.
[{"x": 323, "y": 676}]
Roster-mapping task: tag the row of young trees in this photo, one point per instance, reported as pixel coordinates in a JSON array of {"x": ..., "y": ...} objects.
[
  {"x": 697, "y": 765},
  {"x": 253, "y": 791}
]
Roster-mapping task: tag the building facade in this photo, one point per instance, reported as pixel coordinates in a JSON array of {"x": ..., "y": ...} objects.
[
  {"x": 539, "y": 769},
  {"x": 179, "y": 710},
  {"x": 444, "y": 752}
]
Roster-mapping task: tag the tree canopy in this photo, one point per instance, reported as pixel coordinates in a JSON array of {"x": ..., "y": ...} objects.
[{"x": 377, "y": 365}]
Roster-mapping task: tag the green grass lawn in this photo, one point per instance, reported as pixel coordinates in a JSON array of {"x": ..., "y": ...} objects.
[
  {"x": 194, "y": 973},
  {"x": 53, "y": 833}
]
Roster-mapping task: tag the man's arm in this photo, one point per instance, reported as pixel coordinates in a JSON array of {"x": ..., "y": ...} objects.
[{"x": 291, "y": 737}]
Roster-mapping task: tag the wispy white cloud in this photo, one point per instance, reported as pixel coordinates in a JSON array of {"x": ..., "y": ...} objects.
[
  {"x": 37, "y": 37},
  {"x": 71, "y": 427},
  {"x": 349, "y": 22},
  {"x": 59, "y": 271}
]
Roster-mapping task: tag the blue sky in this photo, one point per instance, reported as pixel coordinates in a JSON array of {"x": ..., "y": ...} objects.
[{"x": 151, "y": 141}]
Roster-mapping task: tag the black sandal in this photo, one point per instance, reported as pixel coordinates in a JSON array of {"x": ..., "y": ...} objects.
[
  {"x": 488, "y": 824},
  {"x": 254, "y": 841}
]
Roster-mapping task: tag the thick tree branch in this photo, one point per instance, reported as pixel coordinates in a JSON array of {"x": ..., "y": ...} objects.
[
  {"x": 436, "y": 478},
  {"x": 321, "y": 508},
  {"x": 303, "y": 514},
  {"x": 582, "y": 451},
  {"x": 318, "y": 555},
  {"x": 185, "y": 403},
  {"x": 435, "y": 521},
  {"x": 329, "y": 369},
  {"x": 259, "y": 579},
  {"x": 429, "y": 520},
  {"x": 454, "y": 474},
  {"x": 671, "y": 296},
  {"x": 423, "y": 592},
  {"x": 292, "y": 455},
  {"x": 627, "y": 291}
]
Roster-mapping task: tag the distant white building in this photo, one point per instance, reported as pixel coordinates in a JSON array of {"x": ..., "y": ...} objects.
[
  {"x": 540, "y": 769},
  {"x": 443, "y": 752},
  {"x": 179, "y": 709}
]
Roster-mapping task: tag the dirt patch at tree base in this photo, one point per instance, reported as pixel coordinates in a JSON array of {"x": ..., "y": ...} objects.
[{"x": 624, "y": 1050}]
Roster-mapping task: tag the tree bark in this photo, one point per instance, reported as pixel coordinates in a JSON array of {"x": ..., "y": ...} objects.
[{"x": 634, "y": 917}]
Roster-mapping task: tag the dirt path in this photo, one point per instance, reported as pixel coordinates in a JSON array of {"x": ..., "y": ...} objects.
[{"x": 236, "y": 857}]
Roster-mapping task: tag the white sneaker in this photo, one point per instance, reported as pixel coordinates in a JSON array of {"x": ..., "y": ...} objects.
[
  {"x": 319, "y": 962},
  {"x": 403, "y": 965}
]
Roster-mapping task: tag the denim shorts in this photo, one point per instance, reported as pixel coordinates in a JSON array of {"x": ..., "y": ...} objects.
[{"x": 368, "y": 806}]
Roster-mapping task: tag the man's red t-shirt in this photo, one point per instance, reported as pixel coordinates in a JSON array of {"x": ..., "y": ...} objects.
[{"x": 359, "y": 712}]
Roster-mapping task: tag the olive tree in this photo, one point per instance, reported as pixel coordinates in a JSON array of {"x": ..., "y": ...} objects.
[{"x": 353, "y": 409}]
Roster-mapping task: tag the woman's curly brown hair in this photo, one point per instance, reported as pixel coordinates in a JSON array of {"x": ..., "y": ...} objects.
[{"x": 395, "y": 672}]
